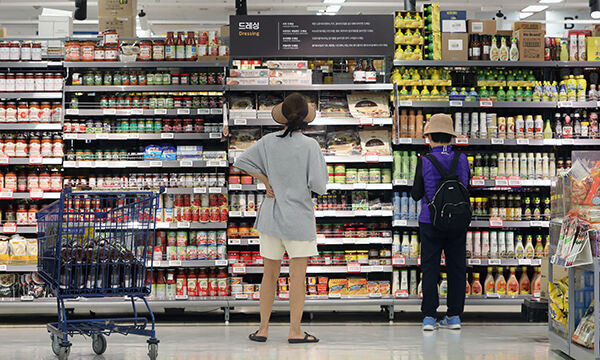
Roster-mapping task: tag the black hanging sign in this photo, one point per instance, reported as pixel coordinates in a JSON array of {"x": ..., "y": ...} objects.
[{"x": 311, "y": 35}]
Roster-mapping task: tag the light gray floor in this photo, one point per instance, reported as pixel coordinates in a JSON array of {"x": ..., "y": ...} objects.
[{"x": 347, "y": 341}]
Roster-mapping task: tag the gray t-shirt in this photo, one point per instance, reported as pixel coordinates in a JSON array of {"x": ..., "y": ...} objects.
[{"x": 295, "y": 166}]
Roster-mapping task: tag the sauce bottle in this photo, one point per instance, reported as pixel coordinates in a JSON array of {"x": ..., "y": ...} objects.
[
  {"x": 443, "y": 285},
  {"x": 514, "y": 51},
  {"x": 359, "y": 72},
  {"x": 180, "y": 46},
  {"x": 489, "y": 283},
  {"x": 524, "y": 283},
  {"x": 412, "y": 125},
  {"x": 519, "y": 248},
  {"x": 512, "y": 285},
  {"x": 170, "y": 54},
  {"x": 161, "y": 285},
  {"x": 476, "y": 285},
  {"x": 190, "y": 47},
  {"x": 500, "y": 282},
  {"x": 170, "y": 286},
  {"x": 529, "y": 249},
  {"x": 494, "y": 50},
  {"x": 419, "y": 124},
  {"x": 536, "y": 283},
  {"x": 486, "y": 44},
  {"x": 468, "y": 287},
  {"x": 370, "y": 72}
]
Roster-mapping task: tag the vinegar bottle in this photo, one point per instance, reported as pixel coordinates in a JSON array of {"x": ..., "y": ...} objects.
[
  {"x": 519, "y": 248},
  {"x": 529, "y": 249}
]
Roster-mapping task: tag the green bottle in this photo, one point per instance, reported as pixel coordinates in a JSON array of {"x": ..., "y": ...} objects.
[
  {"x": 501, "y": 94},
  {"x": 519, "y": 94},
  {"x": 490, "y": 76},
  {"x": 491, "y": 94},
  {"x": 405, "y": 166},
  {"x": 510, "y": 76},
  {"x": 501, "y": 76},
  {"x": 480, "y": 75},
  {"x": 483, "y": 93},
  {"x": 528, "y": 94},
  {"x": 413, "y": 164},
  {"x": 397, "y": 165},
  {"x": 510, "y": 94},
  {"x": 530, "y": 76}
]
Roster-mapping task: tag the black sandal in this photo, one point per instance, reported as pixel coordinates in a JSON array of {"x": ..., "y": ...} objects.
[
  {"x": 253, "y": 337},
  {"x": 305, "y": 340}
]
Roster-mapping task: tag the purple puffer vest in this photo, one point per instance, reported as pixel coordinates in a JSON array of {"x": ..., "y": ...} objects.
[{"x": 431, "y": 177}]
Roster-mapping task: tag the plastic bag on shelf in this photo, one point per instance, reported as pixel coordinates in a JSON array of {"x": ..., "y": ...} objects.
[{"x": 584, "y": 333}]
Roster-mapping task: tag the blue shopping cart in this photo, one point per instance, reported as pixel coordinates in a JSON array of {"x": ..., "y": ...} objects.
[{"x": 92, "y": 245}]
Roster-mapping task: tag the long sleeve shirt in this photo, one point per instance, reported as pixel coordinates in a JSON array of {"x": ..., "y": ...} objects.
[{"x": 295, "y": 167}]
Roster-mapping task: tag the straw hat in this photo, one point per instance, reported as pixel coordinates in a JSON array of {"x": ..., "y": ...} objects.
[
  {"x": 293, "y": 105},
  {"x": 440, "y": 123}
]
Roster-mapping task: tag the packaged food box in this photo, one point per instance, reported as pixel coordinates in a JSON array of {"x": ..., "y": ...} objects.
[
  {"x": 287, "y": 64},
  {"x": 282, "y": 281},
  {"x": 323, "y": 280},
  {"x": 283, "y": 81},
  {"x": 311, "y": 280},
  {"x": 189, "y": 152},
  {"x": 593, "y": 48},
  {"x": 373, "y": 287},
  {"x": 215, "y": 155},
  {"x": 384, "y": 287},
  {"x": 357, "y": 286},
  {"x": 290, "y": 74},
  {"x": 338, "y": 286},
  {"x": 248, "y": 81},
  {"x": 312, "y": 289},
  {"x": 236, "y": 280},
  {"x": 237, "y": 289},
  {"x": 248, "y": 73}
]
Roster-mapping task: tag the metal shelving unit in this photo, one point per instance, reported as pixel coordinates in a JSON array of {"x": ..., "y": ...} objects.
[
  {"x": 319, "y": 121},
  {"x": 487, "y": 63},
  {"x": 340, "y": 269},
  {"x": 313, "y": 87},
  {"x": 144, "y": 64},
  {"x": 31, "y": 127},
  {"x": 510, "y": 142},
  {"x": 191, "y": 225},
  {"x": 146, "y": 164},
  {"x": 147, "y": 112},
  {"x": 31, "y": 95},
  {"x": 144, "y": 136},
  {"x": 196, "y": 190},
  {"x": 27, "y": 161},
  {"x": 137, "y": 88}
]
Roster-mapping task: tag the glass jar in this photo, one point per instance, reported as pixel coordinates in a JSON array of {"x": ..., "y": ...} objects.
[
  {"x": 87, "y": 50},
  {"x": 34, "y": 112},
  {"x": 23, "y": 112},
  {"x": 111, "y": 52},
  {"x": 39, "y": 82},
  {"x": 15, "y": 51},
  {"x": 158, "y": 50},
  {"x": 20, "y": 82},
  {"x": 57, "y": 112},
  {"x": 145, "y": 53},
  {"x": 4, "y": 51},
  {"x": 45, "y": 112},
  {"x": 72, "y": 51},
  {"x": 98, "y": 52},
  {"x": 30, "y": 82},
  {"x": 36, "y": 51},
  {"x": 26, "y": 51}
]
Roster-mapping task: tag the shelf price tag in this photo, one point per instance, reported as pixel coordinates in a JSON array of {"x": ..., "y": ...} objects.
[
  {"x": 478, "y": 181},
  {"x": 36, "y": 194},
  {"x": 235, "y": 186},
  {"x": 183, "y": 111},
  {"x": 216, "y": 163},
  {"x": 216, "y": 111},
  {"x": 522, "y": 141},
  {"x": 536, "y": 262},
  {"x": 235, "y": 214},
  {"x": 125, "y": 112},
  {"x": 222, "y": 262},
  {"x": 405, "y": 141},
  {"x": 335, "y": 296},
  {"x": 27, "y": 298},
  {"x": 486, "y": 103},
  {"x": 238, "y": 268},
  {"x": 183, "y": 225},
  {"x": 239, "y": 121},
  {"x": 203, "y": 111},
  {"x": 256, "y": 295},
  {"x": 377, "y": 268},
  {"x": 6, "y": 194},
  {"x": 374, "y": 295},
  {"x": 353, "y": 268},
  {"x": 200, "y": 190},
  {"x": 501, "y": 181},
  {"x": 3, "y": 268},
  {"x": 70, "y": 136},
  {"x": 359, "y": 186},
  {"x": 137, "y": 111},
  {"x": 365, "y": 121},
  {"x": 186, "y": 163},
  {"x": 401, "y": 182},
  {"x": 4, "y": 160},
  {"x": 156, "y": 163},
  {"x": 174, "y": 263},
  {"x": 399, "y": 260},
  {"x": 536, "y": 223},
  {"x": 241, "y": 296},
  {"x": 462, "y": 140},
  {"x": 514, "y": 181},
  {"x": 371, "y": 158},
  {"x": 562, "y": 104},
  {"x": 234, "y": 242},
  {"x": 253, "y": 241},
  {"x": 473, "y": 261},
  {"x": 249, "y": 213},
  {"x": 400, "y": 223},
  {"x": 497, "y": 141},
  {"x": 133, "y": 136},
  {"x": 214, "y": 136},
  {"x": 494, "y": 262},
  {"x": 72, "y": 112},
  {"x": 261, "y": 187},
  {"x": 524, "y": 261},
  {"x": 567, "y": 142},
  {"x": 405, "y": 103},
  {"x": 401, "y": 294},
  {"x": 37, "y": 160},
  {"x": 167, "y": 135},
  {"x": 456, "y": 103},
  {"x": 109, "y": 111},
  {"x": 160, "y": 111},
  {"x": 214, "y": 190},
  {"x": 496, "y": 222},
  {"x": 102, "y": 136},
  {"x": 9, "y": 228}
]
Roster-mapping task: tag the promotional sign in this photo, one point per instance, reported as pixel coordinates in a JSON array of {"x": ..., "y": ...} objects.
[{"x": 311, "y": 35}]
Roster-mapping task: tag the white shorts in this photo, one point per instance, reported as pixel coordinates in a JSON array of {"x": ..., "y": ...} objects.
[{"x": 273, "y": 248}]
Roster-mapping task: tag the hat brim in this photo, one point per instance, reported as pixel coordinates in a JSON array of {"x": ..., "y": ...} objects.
[
  {"x": 277, "y": 114},
  {"x": 431, "y": 131}
]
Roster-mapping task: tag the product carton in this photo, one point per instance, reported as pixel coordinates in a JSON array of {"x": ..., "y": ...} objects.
[
  {"x": 291, "y": 74},
  {"x": 247, "y": 81},
  {"x": 453, "y": 15},
  {"x": 454, "y": 21},
  {"x": 455, "y": 46},
  {"x": 487, "y": 27},
  {"x": 531, "y": 44},
  {"x": 528, "y": 25},
  {"x": 287, "y": 64},
  {"x": 593, "y": 48},
  {"x": 284, "y": 81},
  {"x": 248, "y": 73},
  {"x": 125, "y": 26},
  {"x": 435, "y": 16},
  {"x": 117, "y": 8}
]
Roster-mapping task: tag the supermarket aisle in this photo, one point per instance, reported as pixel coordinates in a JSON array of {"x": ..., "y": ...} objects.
[{"x": 347, "y": 341}]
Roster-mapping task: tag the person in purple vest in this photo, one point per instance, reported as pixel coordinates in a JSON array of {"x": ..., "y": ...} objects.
[{"x": 440, "y": 132}]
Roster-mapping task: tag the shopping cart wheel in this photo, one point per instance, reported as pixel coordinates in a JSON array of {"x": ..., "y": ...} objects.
[
  {"x": 152, "y": 351},
  {"x": 63, "y": 352},
  {"x": 55, "y": 344},
  {"x": 99, "y": 344}
]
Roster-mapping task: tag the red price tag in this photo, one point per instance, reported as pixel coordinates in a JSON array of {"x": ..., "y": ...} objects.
[
  {"x": 238, "y": 268},
  {"x": 256, "y": 295},
  {"x": 4, "y": 160},
  {"x": 9, "y": 228},
  {"x": 401, "y": 294},
  {"x": 486, "y": 103},
  {"x": 284, "y": 295},
  {"x": 6, "y": 194},
  {"x": 462, "y": 140},
  {"x": 478, "y": 181},
  {"x": 399, "y": 260},
  {"x": 353, "y": 268},
  {"x": 36, "y": 160},
  {"x": 371, "y": 158},
  {"x": 36, "y": 194},
  {"x": 365, "y": 121},
  {"x": 501, "y": 181},
  {"x": 496, "y": 222}
]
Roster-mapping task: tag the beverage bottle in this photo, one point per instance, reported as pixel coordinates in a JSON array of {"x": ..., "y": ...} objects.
[
  {"x": 476, "y": 285},
  {"x": 170, "y": 53},
  {"x": 397, "y": 165},
  {"x": 444, "y": 285},
  {"x": 545, "y": 166},
  {"x": 547, "y": 210},
  {"x": 510, "y": 245},
  {"x": 493, "y": 245},
  {"x": 501, "y": 165},
  {"x": 519, "y": 248},
  {"x": 500, "y": 282},
  {"x": 510, "y": 127},
  {"x": 501, "y": 127},
  {"x": 529, "y": 249},
  {"x": 406, "y": 166},
  {"x": 180, "y": 46},
  {"x": 508, "y": 167},
  {"x": 529, "y": 127},
  {"x": 404, "y": 206},
  {"x": 512, "y": 285},
  {"x": 414, "y": 246},
  {"x": 489, "y": 283},
  {"x": 524, "y": 284},
  {"x": 545, "y": 252},
  {"x": 567, "y": 129},
  {"x": 536, "y": 283},
  {"x": 404, "y": 280},
  {"x": 503, "y": 53},
  {"x": 514, "y": 51},
  {"x": 412, "y": 123},
  {"x": 581, "y": 86},
  {"x": 474, "y": 125},
  {"x": 370, "y": 72},
  {"x": 539, "y": 248},
  {"x": 519, "y": 127},
  {"x": 419, "y": 121},
  {"x": 522, "y": 167},
  {"x": 519, "y": 94},
  {"x": 413, "y": 283},
  {"x": 359, "y": 74},
  {"x": 510, "y": 94},
  {"x": 458, "y": 123},
  {"x": 516, "y": 161}
]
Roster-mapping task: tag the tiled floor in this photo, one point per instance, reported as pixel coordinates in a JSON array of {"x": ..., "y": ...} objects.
[{"x": 349, "y": 341}]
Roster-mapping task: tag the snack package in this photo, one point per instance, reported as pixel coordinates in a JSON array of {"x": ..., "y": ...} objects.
[
  {"x": 556, "y": 296},
  {"x": 375, "y": 142},
  {"x": 7, "y": 284},
  {"x": 580, "y": 241},
  {"x": 242, "y": 139},
  {"x": 319, "y": 135},
  {"x": 333, "y": 104},
  {"x": 568, "y": 231},
  {"x": 4, "y": 252},
  {"x": 373, "y": 287},
  {"x": 152, "y": 152},
  {"x": 32, "y": 250},
  {"x": 168, "y": 152},
  {"x": 266, "y": 101},
  {"x": 18, "y": 249},
  {"x": 241, "y": 102},
  {"x": 338, "y": 286},
  {"x": 357, "y": 287},
  {"x": 385, "y": 288},
  {"x": 584, "y": 333},
  {"x": 343, "y": 143},
  {"x": 368, "y": 104},
  {"x": 360, "y": 200}
]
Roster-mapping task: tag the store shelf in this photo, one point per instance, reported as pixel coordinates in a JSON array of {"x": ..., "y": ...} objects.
[
  {"x": 405, "y": 223},
  {"x": 30, "y": 95},
  {"x": 477, "y": 104},
  {"x": 18, "y": 268},
  {"x": 187, "y": 263},
  {"x": 321, "y": 300},
  {"x": 134, "y": 88},
  {"x": 504, "y": 262},
  {"x": 145, "y": 164},
  {"x": 26, "y": 161},
  {"x": 470, "y": 300},
  {"x": 21, "y": 229},
  {"x": 30, "y": 64},
  {"x": 510, "y": 142},
  {"x": 196, "y": 190},
  {"x": 30, "y": 127},
  {"x": 144, "y": 64},
  {"x": 580, "y": 353},
  {"x": 27, "y": 195},
  {"x": 511, "y": 224},
  {"x": 558, "y": 342},
  {"x": 313, "y": 87},
  {"x": 325, "y": 269},
  {"x": 323, "y": 241},
  {"x": 359, "y": 187},
  {"x": 191, "y": 225},
  {"x": 144, "y": 136},
  {"x": 402, "y": 182},
  {"x": 147, "y": 112},
  {"x": 487, "y": 63},
  {"x": 358, "y": 159},
  {"x": 492, "y": 183},
  {"x": 355, "y": 213},
  {"x": 319, "y": 121},
  {"x": 594, "y": 64}
]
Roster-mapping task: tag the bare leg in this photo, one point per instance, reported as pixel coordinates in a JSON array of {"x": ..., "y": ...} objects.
[
  {"x": 297, "y": 294},
  {"x": 268, "y": 286}
]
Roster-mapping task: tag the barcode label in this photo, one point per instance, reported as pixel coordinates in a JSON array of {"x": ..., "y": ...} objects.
[
  {"x": 407, "y": 103},
  {"x": 240, "y": 121},
  {"x": 167, "y": 136},
  {"x": 183, "y": 111},
  {"x": 160, "y": 111},
  {"x": 109, "y": 111}
]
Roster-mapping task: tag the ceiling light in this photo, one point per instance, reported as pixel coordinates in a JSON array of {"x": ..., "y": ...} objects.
[
  {"x": 524, "y": 15},
  {"x": 333, "y": 1},
  {"x": 595, "y": 9},
  {"x": 535, "y": 8},
  {"x": 333, "y": 8},
  {"x": 550, "y": 1}
]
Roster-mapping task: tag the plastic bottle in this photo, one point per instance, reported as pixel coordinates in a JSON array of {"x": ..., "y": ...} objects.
[
  {"x": 476, "y": 285},
  {"x": 458, "y": 128},
  {"x": 522, "y": 172},
  {"x": 524, "y": 283},
  {"x": 501, "y": 244},
  {"x": 395, "y": 281},
  {"x": 501, "y": 165},
  {"x": 548, "y": 130},
  {"x": 473, "y": 95},
  {"x": 493, "y": 245},
  {"x": 536, "y": 283},
  {"x": 538, "y": 126},
  {"x": 489, "y": 283},
  {"x": 414, "y": 246},
  {"x": 519, "y": 127},
  {"x": 404, "y": 280},
  {"x": 512, "y": 285},
  {"x": 170, "y": 54},
  {"x": 529, "y": 249},
  {"x": 396, "y": 245},
  {"x": 405, "y": 166},
  {"x": 510, "y": 127},
  {"x": 514, "y": 51},
  {"x": 474, "y": 125},
  {"x": 581, "y": 87},
  {"x": 468, "y": 287},
  {"x": 539, "y": 248},
  {"x": 504, "y": 56},
  {"x": 444, "y": 285},
  {"x": 510, "y": 245},
  {"x": 501, "y": 94},
  {"x": 527, "y": 94},
  {"x": 519, "y": 248},
  {"x": 531, "y": 166},
  {"x": 508, "y": 167},
  {"x": 494, "y": 50},
  {"x": 510, "y": 94},
  {"x": 404, "y": 206},
  {"x": 463, "y": 94},
  {"x": 592, "y": 94},
  {"x": 413, "y": 283},
  {"x": 500, "y": 282},
  {"x": 519, "y": 94},
  {"x": 405, "y": 244}
]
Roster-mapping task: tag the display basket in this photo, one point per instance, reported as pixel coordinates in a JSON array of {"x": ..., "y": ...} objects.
[{"x": 95, "y": 244}]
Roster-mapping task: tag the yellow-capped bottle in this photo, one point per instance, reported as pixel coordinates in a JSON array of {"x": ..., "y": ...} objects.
[
  {"x": 415, "y": 94},
  {"x": 425, "y": 95},
  {"x": 435, "y": 94}
]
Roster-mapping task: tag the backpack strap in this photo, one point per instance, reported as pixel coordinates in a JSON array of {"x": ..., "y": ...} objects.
[
  {"x": 454, "y": 164},
  {"x": 436, "y": 163}
]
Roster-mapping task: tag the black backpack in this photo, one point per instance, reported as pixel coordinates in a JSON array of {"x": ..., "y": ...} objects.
[{"x": 450, "y": 208}]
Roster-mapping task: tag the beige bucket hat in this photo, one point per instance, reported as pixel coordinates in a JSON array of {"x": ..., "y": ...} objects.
[
  {"x": 440, "y": 123},
  {"x": 293, "y": 103}
]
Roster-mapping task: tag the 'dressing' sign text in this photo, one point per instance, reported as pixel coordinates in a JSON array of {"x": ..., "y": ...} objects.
[{"x": 311, "y": 35}]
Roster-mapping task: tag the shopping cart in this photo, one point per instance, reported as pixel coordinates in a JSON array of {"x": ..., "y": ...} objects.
[{"x": 93, "y": 245}]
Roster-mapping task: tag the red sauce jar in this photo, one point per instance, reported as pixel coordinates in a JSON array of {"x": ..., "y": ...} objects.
[
  {"x": 23, "y": 112},
  {"x": 4, "y": 51},
  {"x": 33, "y": 181},
  {"x": 87, "y": 50},
  {"x": 158, "y": 50},
  {"x": 45, "y": 181},
  {"x": 21, "y": 182},
  {"x": 98, "y": 52},
  {"x": 246, "y": 257},
  {"x": 145, "y": 53},
  {"x": 111, "y": 52},
  {"x": 72, "y": 51}
]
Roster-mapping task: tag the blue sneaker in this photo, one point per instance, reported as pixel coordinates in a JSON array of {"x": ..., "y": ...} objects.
[
  {"x": 429, "y": 323},
  {"x": 452, "y": 322}
]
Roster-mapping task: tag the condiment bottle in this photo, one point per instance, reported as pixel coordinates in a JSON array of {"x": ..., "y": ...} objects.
[
  {"x": 519, "y": 248},
  {"x": 536, "y": 283},
  {"x": 359, "y": 72},
  {"x": 500, "y": 283},
  {"x": 489, "y": 284},
  {"x": 443, "y": 285},
  {"x": 170, "y": 54},
  {"x": 476, "y": 285},
  {"x": 524, "y": 283},
  {"x": 529, "y": 249},
  {"x": 190, "y": 47},
  {"x": 494, "y": 50},
  {"x": 512, "y": 285}
]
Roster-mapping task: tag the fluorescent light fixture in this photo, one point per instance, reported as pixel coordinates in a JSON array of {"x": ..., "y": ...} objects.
[
  {"x": 595, "y": 14},
  {"x": 524, "y": 15},
  {"x": 333, "y": 8},
  {"x": 333, "y": 1},
  {"x": 550, "y": 1},
  {"x": 595, "y": 9},
  {"x": 534, "y": 8}
]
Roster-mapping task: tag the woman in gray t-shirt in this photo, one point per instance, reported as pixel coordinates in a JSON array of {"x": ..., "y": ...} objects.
[{"x": 291, "y": 165}]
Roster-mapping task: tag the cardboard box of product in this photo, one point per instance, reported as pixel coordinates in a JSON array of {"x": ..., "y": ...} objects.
[
  {"x": 528, "y": 25},
  {"x": 248, "y": 73},
  {"x": 125, "y": 27},
  {"x": 453, "y": 15},
  {"x": 291, "y": 74},
  {"x": 117, "y": 8},
  {"x": 248, "y": 81},
  {"x": 593, "y": 48},
  {"x": 435, "y": 16},
  {"x": 454, "y": 26},
  {"x": 284, "y": 81},
  {"x": 287, "y": 64},
  {"x": 455, "y": 46},
  {"x": 531, "y": 44},
  {"x": 487, "y": 27}
]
